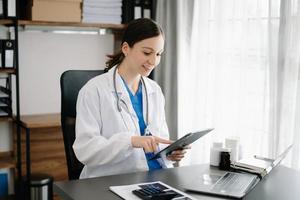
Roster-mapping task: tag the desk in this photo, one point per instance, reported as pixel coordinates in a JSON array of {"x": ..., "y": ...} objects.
[
  {"x": 281, "y": 184},
  {"x": 30, "y": 122}
]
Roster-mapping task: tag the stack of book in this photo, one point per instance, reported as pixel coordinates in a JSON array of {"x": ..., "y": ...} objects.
[
  {"x": 102, "y": 11},
  {"x": 54, "y": 10},
  {"x": 5, "y": 98}
]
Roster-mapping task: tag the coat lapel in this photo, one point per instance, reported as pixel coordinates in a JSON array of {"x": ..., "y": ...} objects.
[{"x": 125, "y": 103}]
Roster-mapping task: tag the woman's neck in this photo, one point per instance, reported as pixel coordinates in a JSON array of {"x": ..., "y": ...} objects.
[{"x": 130, "y": 77}]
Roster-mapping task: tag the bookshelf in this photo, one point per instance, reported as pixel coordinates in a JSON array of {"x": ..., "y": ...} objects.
[{"x": 8, "y": 159}]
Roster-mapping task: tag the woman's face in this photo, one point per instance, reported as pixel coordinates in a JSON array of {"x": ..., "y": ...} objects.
[{"x": 144, "y": 56}]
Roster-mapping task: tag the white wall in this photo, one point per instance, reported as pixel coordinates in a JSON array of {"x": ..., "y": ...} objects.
[
  {"x": 44, "y": 56},
  {"x": 6, "y": 138}
]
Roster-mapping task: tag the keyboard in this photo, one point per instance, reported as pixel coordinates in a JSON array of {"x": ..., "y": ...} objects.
[{"x": 231, "y": 183}]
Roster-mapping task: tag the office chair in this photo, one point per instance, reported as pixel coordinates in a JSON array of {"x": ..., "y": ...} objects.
[{"x": 71, "y": 82}]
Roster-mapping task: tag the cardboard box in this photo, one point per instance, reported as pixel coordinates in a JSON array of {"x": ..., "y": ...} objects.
[
  {"x": 70, "y": 1},
  {"x": 55, "y": 10}
]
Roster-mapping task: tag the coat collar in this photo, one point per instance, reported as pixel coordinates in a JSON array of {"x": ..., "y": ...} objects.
[{"x": 119, "y": 83}]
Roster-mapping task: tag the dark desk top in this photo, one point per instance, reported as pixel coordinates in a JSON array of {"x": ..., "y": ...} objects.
[{"x": 281, "y": 184}]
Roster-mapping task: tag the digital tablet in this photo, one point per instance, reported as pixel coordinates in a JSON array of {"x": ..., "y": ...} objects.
[{"x": 181, "y": 143}]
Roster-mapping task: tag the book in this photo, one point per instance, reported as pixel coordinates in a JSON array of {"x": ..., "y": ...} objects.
[
  {"x": 3, "y": 184},
  {"x": 125, "y": 191},
  {"x": 260, "y": 167}
]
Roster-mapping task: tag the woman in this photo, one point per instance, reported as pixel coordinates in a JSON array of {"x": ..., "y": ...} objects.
[{"x": 120, "y": 115}]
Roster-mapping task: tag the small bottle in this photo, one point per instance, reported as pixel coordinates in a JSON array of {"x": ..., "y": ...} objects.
[{"x": 224, "y": 160}]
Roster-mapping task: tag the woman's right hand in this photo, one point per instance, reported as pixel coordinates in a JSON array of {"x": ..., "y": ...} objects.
[{"x": 148, "y": 143}]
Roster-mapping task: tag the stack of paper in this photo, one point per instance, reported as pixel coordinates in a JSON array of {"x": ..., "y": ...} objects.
[
  {"x": 252, "y": 165},
  {"x": 102, "y": 11}
]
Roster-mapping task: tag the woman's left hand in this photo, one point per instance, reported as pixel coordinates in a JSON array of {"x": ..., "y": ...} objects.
[{"x": 178, "y": 154}]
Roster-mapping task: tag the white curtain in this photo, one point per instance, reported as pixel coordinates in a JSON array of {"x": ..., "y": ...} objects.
[{"x": 238, "y": 72}]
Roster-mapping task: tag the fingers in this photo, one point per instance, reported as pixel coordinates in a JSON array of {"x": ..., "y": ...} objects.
[
  {"x": 177, "y": 155},
  {"x": 187, "y": 147},
  {"x": 148, "y": 143},
  {"x": 161, "y": 140},
  {"x": 153, "y": 144}
]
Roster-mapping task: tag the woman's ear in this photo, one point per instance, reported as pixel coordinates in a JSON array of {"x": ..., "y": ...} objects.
[{"x": 125, "y": 48}]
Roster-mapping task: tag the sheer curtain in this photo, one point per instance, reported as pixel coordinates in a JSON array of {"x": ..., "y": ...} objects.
[
  {"x": 285, "y": 91},
  {"x": 231, "y": 75}
]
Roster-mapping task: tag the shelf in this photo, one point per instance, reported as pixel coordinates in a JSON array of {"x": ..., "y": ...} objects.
[
  {"x": 8, "y": 71},
  {"x": 9, "y": 197},
  {"x": 5, "y": 118},
  {"x": 117, "y": 27},
  {"x": 6, "y": 22},
  {"x": 7, "y": 160}
]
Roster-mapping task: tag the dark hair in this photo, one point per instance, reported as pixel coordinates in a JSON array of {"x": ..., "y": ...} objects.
[{"x": 135, "y": 31}]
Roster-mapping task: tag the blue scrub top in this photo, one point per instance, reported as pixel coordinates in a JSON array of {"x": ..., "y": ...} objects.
[{"x": 137, "y": 103}]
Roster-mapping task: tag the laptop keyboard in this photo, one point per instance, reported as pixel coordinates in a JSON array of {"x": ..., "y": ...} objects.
[{"x": 231, "y": 183}]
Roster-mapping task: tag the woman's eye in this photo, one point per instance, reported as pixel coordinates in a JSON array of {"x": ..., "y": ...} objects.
[{"x": 147, "y": 53}]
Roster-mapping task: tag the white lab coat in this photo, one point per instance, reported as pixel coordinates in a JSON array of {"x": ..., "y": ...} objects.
[{"x": 103, "y": 134}]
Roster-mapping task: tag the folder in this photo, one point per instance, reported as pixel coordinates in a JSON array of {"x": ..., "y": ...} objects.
[{"x": 8, "y": 48}]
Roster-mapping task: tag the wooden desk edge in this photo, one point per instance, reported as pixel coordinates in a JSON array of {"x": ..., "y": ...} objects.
[{"x": 50, "y": 120}]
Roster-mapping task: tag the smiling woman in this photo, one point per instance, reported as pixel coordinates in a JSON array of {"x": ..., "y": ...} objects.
[{"x": 120, "y": 119}]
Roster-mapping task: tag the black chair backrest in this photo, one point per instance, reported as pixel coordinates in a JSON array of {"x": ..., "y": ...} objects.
[{"x": 70, "y": 83}]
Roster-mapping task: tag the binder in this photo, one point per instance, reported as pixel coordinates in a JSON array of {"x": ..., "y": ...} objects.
[
  {"x": 137, "y": 9},
  {"x": 1, "y": 54},
  {"x": 9, "y": 8},
  {"x": 3, "y": 184},
  {"x": 143, "y": 9},
  {"x": 134, "y": 9},
  {"x": 2, "y": 9},
  {"x": 147, "y": 9},
  {"x": 8, "y": 48}
]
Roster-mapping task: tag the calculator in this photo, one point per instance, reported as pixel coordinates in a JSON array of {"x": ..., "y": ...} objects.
[{"x": 155, "y": 191}]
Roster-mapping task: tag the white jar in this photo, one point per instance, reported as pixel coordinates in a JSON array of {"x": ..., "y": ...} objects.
[{"x": 233, "y": 144}]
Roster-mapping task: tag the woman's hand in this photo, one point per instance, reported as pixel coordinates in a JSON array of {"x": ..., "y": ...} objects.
[
  {"x": 148, "y": 143},
  {"x": 178, "y": 154}
]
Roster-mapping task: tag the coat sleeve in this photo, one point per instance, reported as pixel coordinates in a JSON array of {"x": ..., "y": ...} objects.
[
  {"x": 90, "y": 147},
  {"x": 163, "y": 129}
]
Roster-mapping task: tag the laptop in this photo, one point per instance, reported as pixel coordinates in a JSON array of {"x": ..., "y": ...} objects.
[{"x": 229, "y": 184}]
